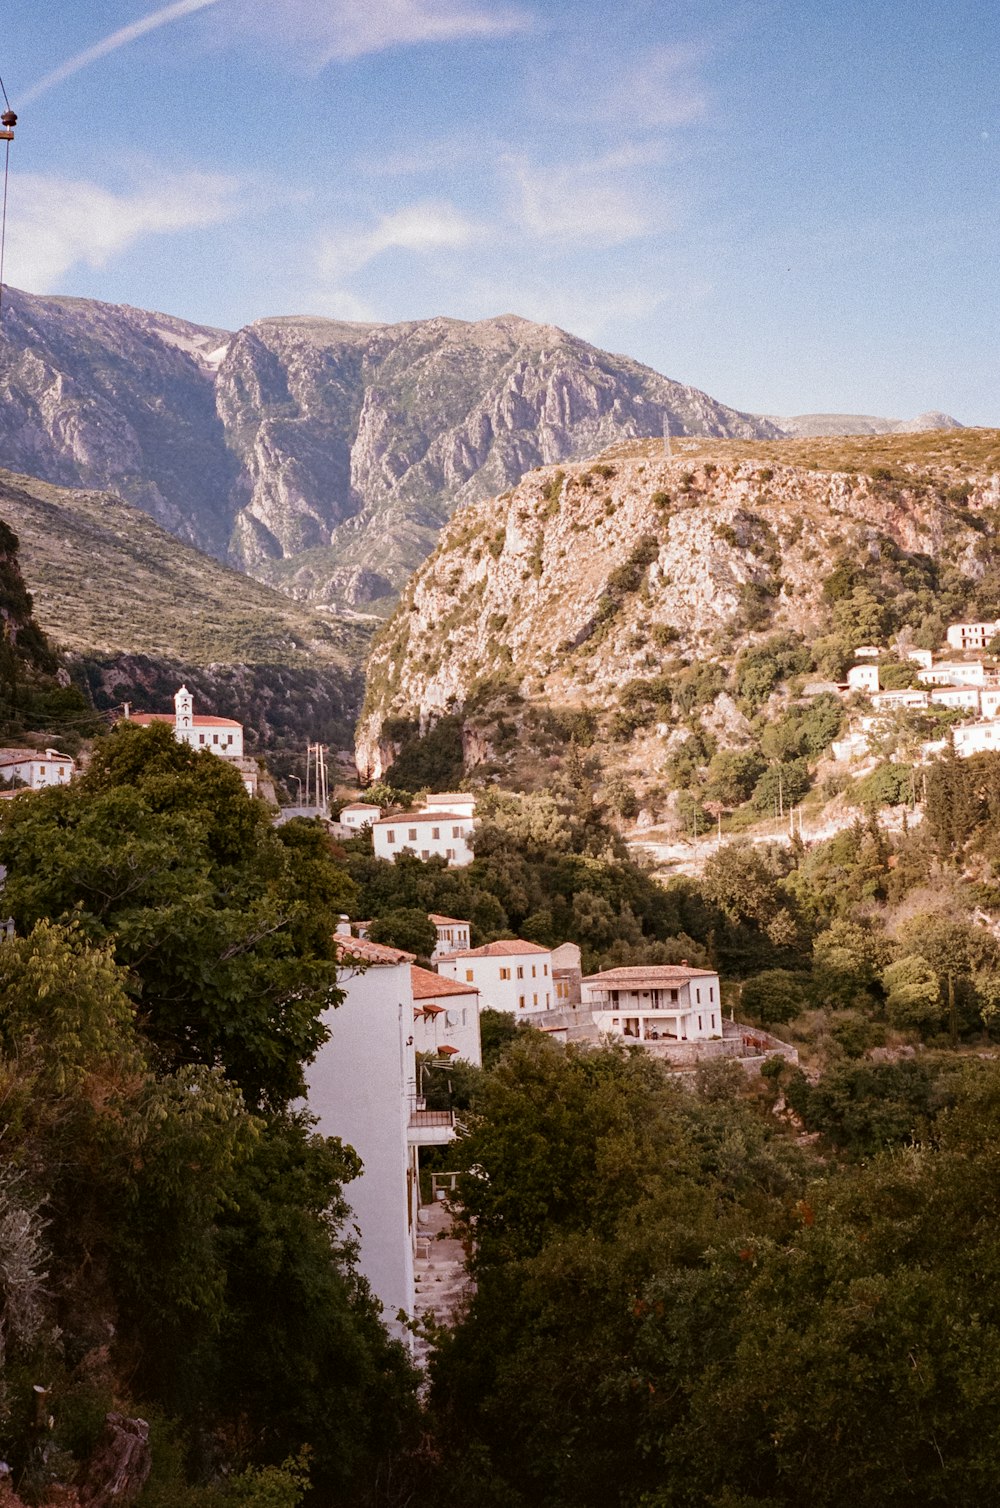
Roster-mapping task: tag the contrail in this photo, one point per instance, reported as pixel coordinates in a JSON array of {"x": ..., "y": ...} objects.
[{"x": 158, "y": 18}]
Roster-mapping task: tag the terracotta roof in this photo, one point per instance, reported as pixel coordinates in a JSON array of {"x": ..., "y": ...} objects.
[
  {"x": 403, "y": 817},
  {"x": 25, "y": 756},
  {"x": 648, "y": 976},
  {"x": 369, "y": 952},
  {"x": 515, "y": 945},
  {"x": 451, "y": 796},
  {"x": 446, "y": 921},
  {"x": 427, "y": 985},
  {"x": 446, "y": 1051},
  {"x": 197, "y": 721},
  {"x": 360, "y": 806}
]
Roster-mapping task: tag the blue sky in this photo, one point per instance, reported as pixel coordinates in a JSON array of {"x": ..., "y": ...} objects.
[{"x": 792, "y": 206}]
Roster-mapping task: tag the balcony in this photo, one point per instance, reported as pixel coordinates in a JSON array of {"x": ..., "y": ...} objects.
[{"x": 429, "y": 1128}]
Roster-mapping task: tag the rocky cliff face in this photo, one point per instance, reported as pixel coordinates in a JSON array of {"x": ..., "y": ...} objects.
[
  {"x": 590, "y": 576},
  {"x": 319, "y": 456}
]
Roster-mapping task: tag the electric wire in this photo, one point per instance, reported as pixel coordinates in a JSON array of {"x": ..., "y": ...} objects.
[{"x": 3, "y": 221}]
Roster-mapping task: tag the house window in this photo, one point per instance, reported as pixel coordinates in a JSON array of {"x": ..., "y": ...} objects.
[
  {"x": 425, "y": 853},
  {"x": 533, "y": 971},
  {"x": 711, "y": 992},
  {"x": 546, "y": 999},
  {"x": 697, "y": 996},
  {"x": 520, "y": 971},
  {"x": 468, "y": 976},
  {"x": 520, "y": 1001},
  {"x": 534, "y": 999},
  {"x": 435, "y": 832},
  {"x": 456, "y": 832},
  {"x": 505, "y": 973},
  {"x": 215, "y": 738},
  {"x": 545, "y": 970},
  {"x": 713, "y": 1023},
  {"x": 390, "y": 836},
  {"x": 411, "y": 833},
  {"x": 449, "y": 853},
  {"x": 699, "y": 1023},
  {"x": 201, "y": 738}
]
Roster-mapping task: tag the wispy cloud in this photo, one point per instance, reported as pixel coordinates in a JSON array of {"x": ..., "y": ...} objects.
[
  {"x": 425, "y": 227},
  {"x": 62, "y": 223},
  {"x": 121, "y": 38},
  {"x": 328, "y": 30},
  {"x": 594, "y": 201}
]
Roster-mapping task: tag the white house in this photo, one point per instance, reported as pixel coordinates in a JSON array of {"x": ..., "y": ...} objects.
[
  {"x": 443, "y": 834},
  {"x": 867, "y": 652},
  {"x": 961, "y": 698},
  {"x": 863, "y": 678},
  {"x": 971, "y": 635},
  {"x": 661, "y": 1002},
  {"x": 35, "y": 770},
  {"x": 445, "y": 1016},
  {"x": 921, "y": 657},
  {"x": 989, "y": 701},
  {"x": 978, "y": 738},
  {"x": 451, "y": 801},
  {"x": 566, "y": 976},
  {"x": 362, "y": 1087},
  {"x": 219, "y": 735},
  {"x": 513, "y": 975},
  {"x": 891, "y": 701},
  {"x": 954, "y": 673},
  {"x": 453, "y": 935},
  {"x": 359, "y": 814}
]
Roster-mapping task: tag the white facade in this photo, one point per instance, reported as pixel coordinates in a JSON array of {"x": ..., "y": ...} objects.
[
  {"x": 445, "y": 1016},
  {"x": 513, "y": 976},
  {"x": 452, "y": 935},
  {"x": 962, "y": 698},
  {"x": 451, "y": 801},
  {"x": 989, "y": 701},
  {"x": 35, "y": 770},
  {"x": 921, "y": 657},
  {"x": 439, "y": 834},
  {"x": 219, "y": 735},
  {"x": 971, "y": 635},
  {"x": 655, "y": 1003},
  {"x": 867, "y": 652},
  {"x": 954, "y": 673},
  {"x": 863, "y": 678},
  {"x": 359, "y": 814},
  {"x": 891, "y": 701},
  {"x": 978, "y": 738}
]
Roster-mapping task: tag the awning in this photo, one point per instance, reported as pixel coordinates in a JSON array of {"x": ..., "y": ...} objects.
[{"x": 444, "y": 1051}]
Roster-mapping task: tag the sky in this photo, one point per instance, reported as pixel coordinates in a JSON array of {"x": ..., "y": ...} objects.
[{"x": 793, "y": 206}]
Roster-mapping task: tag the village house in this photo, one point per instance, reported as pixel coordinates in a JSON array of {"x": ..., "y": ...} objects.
[
  {"x": 892, "y": 701},
  {"x": 445, "y": 1016},
  {"x": 566, "y": 976},
  {"x": 956, "y": 698},
  {"x": 655, "y": 1002},
  {"x": 954, "y": 673},
  {"x": 358, "y": 815},
  {"x": 452, "y": 935},
  {"x": 971, "y": 635},
  {"x": 513, "y": 975},
  {"x": 863, "y": 678},
  {"x": 33, "y": 770},
  {"x": 977, "y": 738},
  {"x": 219, "y": 735},
  {"x": 435, "y": 831},
  {"x": 362, "y": 1087}
]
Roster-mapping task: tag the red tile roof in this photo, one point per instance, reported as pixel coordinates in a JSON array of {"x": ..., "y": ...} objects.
[
  {"x": 401, "y": 818},
  {"x": 359, "y": 948},
  {"x": 197, "y": 720},
  {"x": 427, "y": 985},
  {"x": 446, "y": 921},
  {"x": 513, "y": 945},
  {"x": 648, "y": 977}
]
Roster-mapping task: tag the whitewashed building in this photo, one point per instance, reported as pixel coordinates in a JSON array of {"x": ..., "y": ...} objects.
[
  {"x": 655, "y": 1003},
  {"x": 863, "y": 678},
  {"x": 441, "y": 834},
  {"x": 971, "y": 635},
  {"x": 956, "y": 698},
  {"x": 566, "y": 976},
  {"x": 219, "y": 735},
  {"x": 359, "y": 814},
  {"x": 921, "y": 657},
  {"x": 908, "y": 699},
  {"x": 453, "y": 935},
  {"x": 362, "y": 1087},
  {"x": 445, "y": 1016},
  {"x": 978, "y": 738},
  {"x": 34, "y": 770},
  {"x": 512, "y": 975},
  {"x": 954, "y": 673}
]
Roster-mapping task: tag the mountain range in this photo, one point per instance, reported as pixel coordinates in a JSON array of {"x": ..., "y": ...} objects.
[{"x": 319, "y": 456}]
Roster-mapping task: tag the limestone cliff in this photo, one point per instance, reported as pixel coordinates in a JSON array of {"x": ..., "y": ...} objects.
[{"x": 591, "y": 576}]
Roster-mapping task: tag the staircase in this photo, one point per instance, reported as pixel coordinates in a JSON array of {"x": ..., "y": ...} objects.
[{"x": 442, "y": 1283}]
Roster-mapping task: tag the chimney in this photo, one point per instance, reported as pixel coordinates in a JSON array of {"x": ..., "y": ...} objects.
[
  {"x": 125, "y": 705},
  {"x": 343, "y": 928},
  {"x": 684, "y": 963}
]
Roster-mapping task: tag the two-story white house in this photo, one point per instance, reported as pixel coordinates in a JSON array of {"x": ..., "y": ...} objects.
[
  {"x": 445, "y": 1016},
  {"x": 971, "y": 635},
  {"x": 453, "y": 934},
  {"x": 35, "y": 771},
  {"x": 863, "y": 678},
  {"x": 359, "y": 814},
  {"x": 511, "y": 975},
  {"x": 655, "y": 1002},
  {"x": 439, "y": 833},
  {"x": 954, "y": 673},
  {"x": 956, "y": 698}
]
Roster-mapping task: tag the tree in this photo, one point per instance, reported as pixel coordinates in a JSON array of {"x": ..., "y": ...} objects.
[
  {"x": 406, "y": 928},
  {"x": 224, "y": 923},
  {"x": 773, "y": 996}
]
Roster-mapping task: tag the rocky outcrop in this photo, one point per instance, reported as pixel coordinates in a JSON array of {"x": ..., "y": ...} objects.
[{"x": 587, "y": 577}]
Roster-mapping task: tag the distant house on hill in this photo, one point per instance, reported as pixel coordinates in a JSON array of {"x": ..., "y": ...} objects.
[
  {"x": 35, "y": 771},
  {"x": 359, "y": 814},
  {"x": 512, "y": 975},
  {"x": 219, "y": 735},
  {"x": 453, "y": 934},
  {"x": 655, "y": 1002},
  {"x": 971, "y": 635},
  {"x": 441, "y": 828}
]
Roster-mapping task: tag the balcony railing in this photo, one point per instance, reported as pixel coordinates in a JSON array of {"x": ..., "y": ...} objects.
[{"x": 421, "y": 1116}]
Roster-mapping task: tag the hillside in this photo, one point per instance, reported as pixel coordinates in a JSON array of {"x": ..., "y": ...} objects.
[
  {"x": 137, "y": 610},
  {"x": 652, "y": 606},
  {"x": 318, "y": 455}
]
